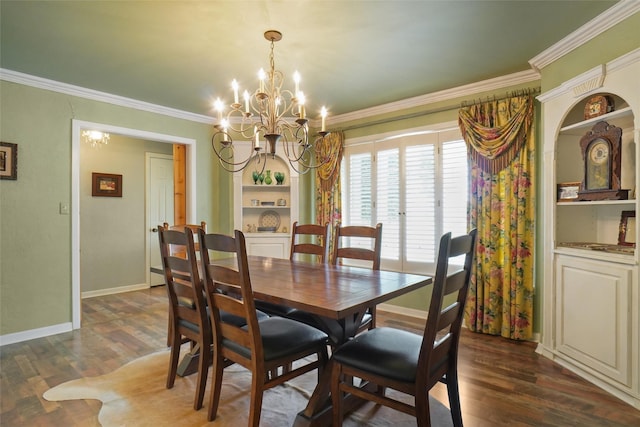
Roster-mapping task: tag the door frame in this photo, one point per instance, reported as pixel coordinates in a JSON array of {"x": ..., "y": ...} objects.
[{"x": 77, "y": 127}]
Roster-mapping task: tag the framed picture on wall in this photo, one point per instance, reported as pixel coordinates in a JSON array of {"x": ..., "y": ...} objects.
[
  {"x": 106, "y": 185},
  {"x": 8, "y": 160}
]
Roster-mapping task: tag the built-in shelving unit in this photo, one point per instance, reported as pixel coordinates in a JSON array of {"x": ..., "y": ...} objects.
[
  {"x": 265, "y": 212},
  {"x": 591, "y": 313}
]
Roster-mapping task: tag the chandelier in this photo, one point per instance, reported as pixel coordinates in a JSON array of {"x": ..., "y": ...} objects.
[
  {"x": 95, "y": 138},
  {"x": 276, "y": 115}
]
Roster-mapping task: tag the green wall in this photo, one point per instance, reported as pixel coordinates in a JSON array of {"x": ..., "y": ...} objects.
[{"x": 35, "y": 244}]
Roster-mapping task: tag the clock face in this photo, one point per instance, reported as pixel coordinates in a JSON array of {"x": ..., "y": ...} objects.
[
  {"x": 599, "y": 151},
  {"x": 598, "y": 167}
]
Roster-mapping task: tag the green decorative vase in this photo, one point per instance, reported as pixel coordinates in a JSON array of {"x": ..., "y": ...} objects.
[
  {"x": 255, "y": 175},
  {"x": 279, "y": 177},
  {"x": 261, "y": 178},
  {"x": 267, "y": 179}
]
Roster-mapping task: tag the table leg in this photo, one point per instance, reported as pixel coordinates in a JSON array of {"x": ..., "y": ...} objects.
[{"x": 318, "y": 411}]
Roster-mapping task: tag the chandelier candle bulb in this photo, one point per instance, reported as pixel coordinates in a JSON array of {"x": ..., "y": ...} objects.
[
  {"x": 256, "y": 143},
  {"x": 261, "y": 77},
  {"x": 296, "y": 79},
  {"x": 323, "y": 114},
  {"x": 219, "y": 106},
  {"x": 246, "y": 102},
  {"x": 234, "y": 85}
]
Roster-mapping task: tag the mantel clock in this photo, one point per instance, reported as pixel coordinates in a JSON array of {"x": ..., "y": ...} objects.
[{"x": 601, "y": 151}]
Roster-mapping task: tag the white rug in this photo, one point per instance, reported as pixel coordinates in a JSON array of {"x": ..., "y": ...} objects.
[{"x": 135, "y": 395}]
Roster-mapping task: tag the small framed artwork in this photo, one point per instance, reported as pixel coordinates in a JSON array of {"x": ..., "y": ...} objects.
[
  {"x": 106, "y": 185},
  {"x": 568, "y": 191},
  {"x": 8, "y": 160},
  {"x": 627, "y": 230}
]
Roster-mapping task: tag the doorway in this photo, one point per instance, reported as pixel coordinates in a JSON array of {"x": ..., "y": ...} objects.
[
  {"x": 159, "y": 208},
  {"x": 77, "y": 127}
]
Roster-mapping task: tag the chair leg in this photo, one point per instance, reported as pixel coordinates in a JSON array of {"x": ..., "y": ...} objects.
[
  {"x": 216, "y": 386},
  {"x": 173, "y": 358},
  {"x": 454, "y": 398},
  {"x": 423, "y": 413},
  {"x": 203, "y": 371},
  {"x": 255, "y": 406},
  {"x": 336, "y": 394}
]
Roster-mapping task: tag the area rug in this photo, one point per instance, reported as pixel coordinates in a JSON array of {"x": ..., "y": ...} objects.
[{"x": 135, "y": 395}]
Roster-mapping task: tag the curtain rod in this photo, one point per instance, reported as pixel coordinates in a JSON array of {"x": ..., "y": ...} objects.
[
  {"x": 513, "y": 94},
  {"x": 522, "y": 92}
]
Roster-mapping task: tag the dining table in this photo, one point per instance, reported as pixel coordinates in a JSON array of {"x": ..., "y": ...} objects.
[{"x": 338, "y": 292}]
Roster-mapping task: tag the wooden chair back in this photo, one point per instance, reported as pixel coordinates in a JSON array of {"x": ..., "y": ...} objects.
[
  {"x": 180, "y": 250},
  {"x": 372, "y": 253},
  {"x": 188, "y": 319},
  {"x": 319, "y": 244},
  {"x": 358, "y": 232},
  {"x": 228, "y": 289},
  {"x": 439, "y": 352}
]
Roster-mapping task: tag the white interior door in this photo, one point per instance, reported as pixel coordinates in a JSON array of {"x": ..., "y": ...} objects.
[{"x": 159, "y": 207}]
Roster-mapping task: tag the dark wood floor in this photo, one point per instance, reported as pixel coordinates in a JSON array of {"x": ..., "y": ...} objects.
[{"x": 502, "y": 383}]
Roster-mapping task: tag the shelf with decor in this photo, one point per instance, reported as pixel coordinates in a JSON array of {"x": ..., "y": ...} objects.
[
  {"x": 590, "y": 263},
  {"x": 264, "y": 209},
  {"x": 595, "y": 177}
]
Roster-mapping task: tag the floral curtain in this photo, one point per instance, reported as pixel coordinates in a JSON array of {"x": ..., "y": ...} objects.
[
  {"x": 501, "y": 146},
  {"x": 328, "y": 192}
]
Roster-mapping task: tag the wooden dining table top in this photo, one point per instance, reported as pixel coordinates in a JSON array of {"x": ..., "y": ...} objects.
[{"x": 333, "y": 291}]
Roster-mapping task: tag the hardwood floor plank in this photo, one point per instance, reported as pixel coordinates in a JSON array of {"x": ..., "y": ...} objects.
[{"x": 502, "y": 382}]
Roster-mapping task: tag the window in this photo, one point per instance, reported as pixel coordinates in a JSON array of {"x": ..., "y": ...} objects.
[{"x": 415, "y": 185}]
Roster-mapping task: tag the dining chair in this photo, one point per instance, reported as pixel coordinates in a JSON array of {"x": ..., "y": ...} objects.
[
  {"x": 309, "y": 239},
  {"x": 364, "y": 243},
  {"x": 261, "y": 347},
  {"x": 408, "y": 362},
  {"x": 318, "y": 245},
  {"x": 188, "y": 319},
  {"x": 179, "y": 250}
]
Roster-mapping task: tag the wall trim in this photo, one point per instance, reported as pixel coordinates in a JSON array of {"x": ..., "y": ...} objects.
[
  {"x": 593, "y": 79},
  {"x": 396, "y": 309},
  {"x": 598, "y": 25},
  {"x": 497, "y": 83},
  {"x": 113, "y": 291},
  {"x": 81, "y": 92},
  {"x": 35, "y": 333}
]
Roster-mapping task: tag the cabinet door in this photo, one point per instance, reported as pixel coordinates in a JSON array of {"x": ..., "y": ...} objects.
[
  {"x": 274, "y": 247},
  {"x": 593, "y": 315}
]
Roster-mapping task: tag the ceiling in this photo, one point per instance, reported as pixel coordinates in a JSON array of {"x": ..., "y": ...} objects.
[{"x": 351, "y": 54}]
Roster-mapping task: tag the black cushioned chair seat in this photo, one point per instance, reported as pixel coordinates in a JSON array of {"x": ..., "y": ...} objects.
[
  {"x": 227, "y": 318},
  {"x": 330, "y": 326},
  {"x": 281, "y": 337},
  {"x": 388, "y": 352},
  {"x": 273, "y": 308}
]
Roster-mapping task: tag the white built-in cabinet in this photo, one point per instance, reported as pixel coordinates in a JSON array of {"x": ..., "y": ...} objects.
[
  {"x": 591, "y": 312},
  {"x": 261, "y": 205}
]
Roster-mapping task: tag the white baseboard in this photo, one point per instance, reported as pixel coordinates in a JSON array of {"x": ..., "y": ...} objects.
[
  {"x": 111, "y": 291},
  {"x": 396, "y": 309},
  {"x": 64, "y": 327},
  {"x": 35, "y": 333}
]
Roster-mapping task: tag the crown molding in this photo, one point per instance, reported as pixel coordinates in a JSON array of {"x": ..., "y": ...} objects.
[
  {"x": 81, "y": 92},
  {"x": 591, "y": 80},
  {"x": 443, "y": 95},
  {"x": 598, "y": 25}
]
